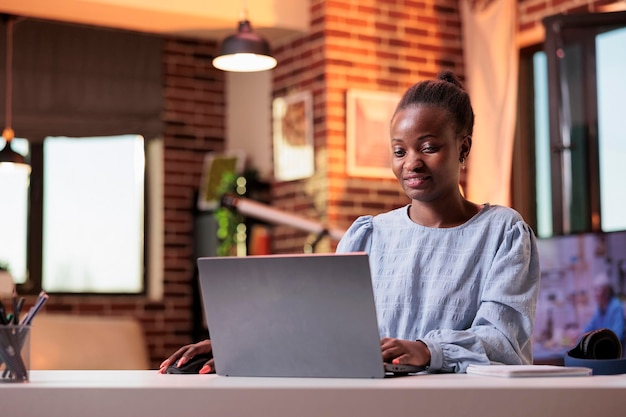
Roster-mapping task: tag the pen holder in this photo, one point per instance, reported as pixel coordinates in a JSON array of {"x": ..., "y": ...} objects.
[{"x": 14, "y": 353}]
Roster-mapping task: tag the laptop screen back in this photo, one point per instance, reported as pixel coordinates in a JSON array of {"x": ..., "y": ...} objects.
[{"x": 307, "y": 315}]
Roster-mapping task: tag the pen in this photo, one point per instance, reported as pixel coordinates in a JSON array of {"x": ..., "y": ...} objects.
[
  {"x": 3, "y": 317},
  {"x": 17, "y": 307},
  {"x": 17, "y": 311},
  {"x": 28, "y": 318}
]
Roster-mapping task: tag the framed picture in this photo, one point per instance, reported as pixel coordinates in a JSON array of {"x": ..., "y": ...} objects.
[
  {"x": 215, "y": 166},
  {"x": 368, "y": 114},
  {"x": 293, "y": 136}
]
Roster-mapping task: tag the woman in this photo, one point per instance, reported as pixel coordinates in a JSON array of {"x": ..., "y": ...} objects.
[{"x": 455, "y": 282}]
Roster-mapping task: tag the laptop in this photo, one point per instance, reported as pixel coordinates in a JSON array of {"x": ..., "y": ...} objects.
[{"x": 305, "y": 315}]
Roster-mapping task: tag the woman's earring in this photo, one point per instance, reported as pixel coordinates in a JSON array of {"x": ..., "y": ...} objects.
[{"x": 462, "y": 161}]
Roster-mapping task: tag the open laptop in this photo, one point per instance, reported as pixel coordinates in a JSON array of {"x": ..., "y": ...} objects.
[{"x": 310, "y": 315}]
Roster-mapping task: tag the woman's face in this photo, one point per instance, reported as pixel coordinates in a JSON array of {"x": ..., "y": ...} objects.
[{"x": 426, "y": 152}]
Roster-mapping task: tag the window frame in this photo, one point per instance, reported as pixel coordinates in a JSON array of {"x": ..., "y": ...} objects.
[
  {"x": 582, "y": 28},
  {"x": 523, "y": 185},
  {"x": 34, "y": 251}
]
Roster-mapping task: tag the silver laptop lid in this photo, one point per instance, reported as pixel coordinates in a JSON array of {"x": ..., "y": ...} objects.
[{"x": 307, "y": 315}]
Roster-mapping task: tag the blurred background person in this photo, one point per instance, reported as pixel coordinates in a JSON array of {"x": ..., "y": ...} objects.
[{"x": 609, "y": 311}]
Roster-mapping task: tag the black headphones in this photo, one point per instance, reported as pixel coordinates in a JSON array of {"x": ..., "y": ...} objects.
[{"x": 600, "y": 350}]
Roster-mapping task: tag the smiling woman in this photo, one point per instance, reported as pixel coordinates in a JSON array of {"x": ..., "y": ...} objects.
[{"x": 455, "y": 282}]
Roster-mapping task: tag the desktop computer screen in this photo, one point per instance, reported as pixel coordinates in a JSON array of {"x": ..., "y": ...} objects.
[{"x": 570, "y": 265}]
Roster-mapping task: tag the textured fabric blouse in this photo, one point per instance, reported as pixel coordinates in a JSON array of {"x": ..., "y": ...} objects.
[{"x": 468, "y": 292}]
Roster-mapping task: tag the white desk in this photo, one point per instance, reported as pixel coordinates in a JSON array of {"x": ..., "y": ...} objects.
[{"x": 147, "y": 393}]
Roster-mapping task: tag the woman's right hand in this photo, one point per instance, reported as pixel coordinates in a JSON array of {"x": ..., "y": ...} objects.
[{"x": 185, "y": 353}]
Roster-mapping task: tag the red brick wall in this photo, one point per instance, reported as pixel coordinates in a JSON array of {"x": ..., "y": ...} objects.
[
  {"x": 380, "y": 46},
  {"x": 302, "y": 68},
  {"x": 194, "y": 124},
  {"x": 365, "y": 45},
  {"x": 194, "y": 120}
]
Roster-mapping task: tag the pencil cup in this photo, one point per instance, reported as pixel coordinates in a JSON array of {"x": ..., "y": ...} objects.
[{"x": 14, "y": 353}]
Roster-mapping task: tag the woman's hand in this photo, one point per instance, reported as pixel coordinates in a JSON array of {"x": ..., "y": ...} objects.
[
  {"x": 405, "y": 352},
  {"x": 185, "y": 353}
]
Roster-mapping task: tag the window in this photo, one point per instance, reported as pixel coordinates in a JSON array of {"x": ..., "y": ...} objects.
[
  {"x": 611, "y": 131},
  {"x": 14, "y": 186},
  {"x": 569, "y": 125},
  {"x": 93, "y": 214},
  {"x": 84, "y": 226},
  {"x": 87, "y": 234}
]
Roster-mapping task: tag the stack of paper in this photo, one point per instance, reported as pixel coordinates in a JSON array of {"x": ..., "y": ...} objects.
[{"x": 517, "y": 371}]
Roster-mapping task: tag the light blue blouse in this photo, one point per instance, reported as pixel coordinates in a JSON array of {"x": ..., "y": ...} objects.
[{"x": 468, "y": 292}]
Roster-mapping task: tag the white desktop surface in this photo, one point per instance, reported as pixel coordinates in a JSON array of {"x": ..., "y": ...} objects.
[{"x": 147, "y": 393}]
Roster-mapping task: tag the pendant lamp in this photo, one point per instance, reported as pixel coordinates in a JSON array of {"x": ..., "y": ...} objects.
[
  {"x": 7, "y": 154},
  {"x": 245, "y": 51}
]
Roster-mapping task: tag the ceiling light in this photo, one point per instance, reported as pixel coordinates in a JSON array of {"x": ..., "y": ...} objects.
[
  {"x": 245, "y": 51},
  {"x": 7, "y": 154}
]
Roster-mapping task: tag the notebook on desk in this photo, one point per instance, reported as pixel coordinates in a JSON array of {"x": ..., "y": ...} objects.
[{"x": 309, "y": 315}]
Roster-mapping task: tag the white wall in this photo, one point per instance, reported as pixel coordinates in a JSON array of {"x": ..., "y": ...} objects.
[{"x": 249, "y": 118}]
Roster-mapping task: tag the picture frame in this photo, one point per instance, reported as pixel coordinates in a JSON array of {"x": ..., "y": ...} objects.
[
  {"x": 368, "y": 114},
  {"x": 293, "y": 136},
  {"x": 214, "y": 167}
]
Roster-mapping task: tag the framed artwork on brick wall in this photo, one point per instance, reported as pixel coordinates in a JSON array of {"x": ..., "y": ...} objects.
[
  {"x": 293, "y": 136},
  {"x": 368, "y": 114},
  {"x": 215, "y": 167}
]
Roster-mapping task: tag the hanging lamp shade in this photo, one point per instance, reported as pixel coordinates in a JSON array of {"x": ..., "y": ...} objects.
[
  {"x": 245, "y": 51},
  {"x": 7, "y": 154}
]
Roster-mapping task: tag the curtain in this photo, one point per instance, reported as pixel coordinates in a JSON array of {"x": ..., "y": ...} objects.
[
  {"x": 72, "y": 80},
  {"x": 491, "y": 68}
]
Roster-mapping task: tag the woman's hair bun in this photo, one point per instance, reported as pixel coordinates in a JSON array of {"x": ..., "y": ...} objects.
[{"x": 449, "y": 76}]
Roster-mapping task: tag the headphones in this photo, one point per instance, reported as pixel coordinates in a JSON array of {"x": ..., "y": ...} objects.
[{"x": 600, "y": 350}]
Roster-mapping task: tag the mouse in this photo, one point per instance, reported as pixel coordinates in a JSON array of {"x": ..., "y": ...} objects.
[{"x": 192, "y": 367}]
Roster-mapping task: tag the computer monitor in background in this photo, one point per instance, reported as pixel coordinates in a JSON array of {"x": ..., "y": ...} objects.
[{"x": 566, "y": 301}]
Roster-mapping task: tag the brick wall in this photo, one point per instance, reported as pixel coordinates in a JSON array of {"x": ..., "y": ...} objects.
[
  {"x": 371, "y": 45},
  {"x": 380, "y": 46},
  {"x": 194, "y": 120},
  {"x": 365, "y": 45},
  {"x": 194, "y": 124}
]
